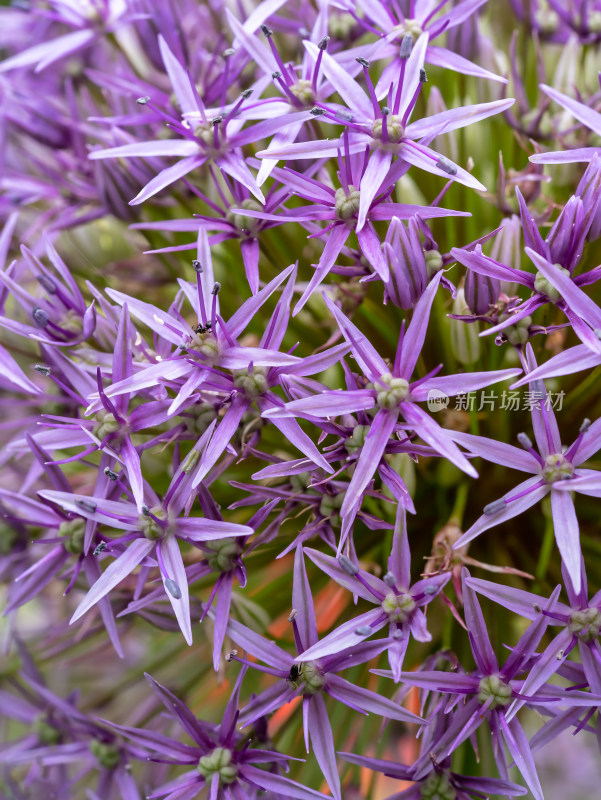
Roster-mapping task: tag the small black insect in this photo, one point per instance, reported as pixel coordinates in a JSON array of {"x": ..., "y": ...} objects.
[{"x": 295, "y": 673}]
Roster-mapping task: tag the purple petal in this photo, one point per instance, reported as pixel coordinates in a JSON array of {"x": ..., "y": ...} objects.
[
  {"x": 322, "y": 740},
  {"x": 567, "y": 533},
  {"x": 584, "y": 114},
  {"x": 415, "y": 336},
  {"x": 302, "y": 602},
  {"x": 114, "y": 574},
  {"x": 477, "y": 631}
]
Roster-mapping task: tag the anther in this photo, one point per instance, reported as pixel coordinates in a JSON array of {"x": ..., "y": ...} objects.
[
  {"x": 145, "y": 511},
  {"x": 524, "y": 440},
  {"x": 42, "y": 369},
  {"x": 229, "y": 52},
  {"x": 293, "y": 615},
  {"x": 265, "y": 30},
  {"x": 536, "y": 608},
  {"x": 99, "y": 548},
  {"x": 275, "y": 75},
  {"x": 585, "y": 426},
  {"x": 397, "y": 634},
  {"x": 112, "y": 476},
  {"x": 323, "y": 44},
  {"x": 231, "y": 655},
  {"x": 197, "y": 266},
  {"x": 363, "y": 61},
  {"x": 389, "y": 579},
  {"x": 47, "y": 283},
  {"x": 173, "y": 588},
  {"x": 141, "y": 101},
  {"x": 216, "y": 288},
  {"x": 446, "y": 166},
  {"x": 494, "y": 507},
  {"x": 560, "y": 655},
  {"x": 86, "y": 505},
  {"x": 406, "y": 46},
  {"x": 246, "y": 93},
  {"x": 423, "y": 78},
  {"x": 317, "y": 112},
  {"x": 217, "y": 121},
  {"x": 363, "y": 630},
  {"x": 347, "y": 565},
  {"x": 385, "y": 111},
  {"x": 40, "y": 316}
]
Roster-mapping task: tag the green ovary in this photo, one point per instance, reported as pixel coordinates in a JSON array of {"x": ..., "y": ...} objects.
[
  {"x": 218, "y": 761},
  {"x": 585, "y": 624},
  {"x": 437, "y": 786},
  {"x": 494, "y": 686},
  {"x": 399, "y": 607}
]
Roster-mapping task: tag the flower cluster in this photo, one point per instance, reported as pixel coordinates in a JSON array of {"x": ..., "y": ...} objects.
[{"x": 249, "y": 251}]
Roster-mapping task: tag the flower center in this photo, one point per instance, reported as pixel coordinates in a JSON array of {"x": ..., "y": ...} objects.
[
  {"x": 437, "y": 786},
  {"x": 105, "y": 424},
  {"x": 410, "y": 27},
  {"x": 347, "y": 205},
  {"x": 106, "y": 754},
  {"x": 204, "y": 132},
  {"x": 557, "y": 468},
  {"x": 204, "y": 342},
  {"x": 395, "y": 390},
  {"x": 218, "y": 761},
  {"x": 330, "y": 506},
  {"x": 357, "y": 439},
  {"x": 303, "y": 91},
  {"x": 241, "y": 221},
  {"x": 199, "y": 417},
  {"x": 150, "y": 527},
  {"x": 74, "y": 531},
  {"x": 494, "y": 686},
  {"x": 312, "y": 677},
  {"x": 224, "y": 554},
  {"x": 253, "y": 384},
  {"x": 394, "y": 127},
  {"x": 542, "y": 285},
  {"x": 399, "y": 607},
  {"x": 585, "y": 624}
]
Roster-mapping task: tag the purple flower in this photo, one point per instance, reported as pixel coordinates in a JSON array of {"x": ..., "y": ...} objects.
[
  {"x": 551, "y": 467},
  {"x": 156, "y": 531},
  {"x": 312, "y": 677},
  {"x": 386, "y": 132},
  {"x": 220, "y": 757},
  {"x": 393, "y": 394}
]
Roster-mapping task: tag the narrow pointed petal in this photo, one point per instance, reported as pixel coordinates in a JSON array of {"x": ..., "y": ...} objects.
[
  {"x": 114, "y": 574},
  {"x": 534, "y": 490},
  {"x": 370, "y": 455},
  {"x": 302, "y": 602},
  {"x": 477, "y": 631},
  {"x": 415, "y": 336},
  {"x": 322, "y": 740},
  {"x": 175, "y": 567},
  {"x": 567, "y": 533}
]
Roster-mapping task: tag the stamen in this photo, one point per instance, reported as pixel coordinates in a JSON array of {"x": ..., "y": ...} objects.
[
  {"x": 446, "y": 166},
  {"x": 48, "y": 284},
  {"x": 348, "y": 566},
  {"x": 99, "y": 548},
  {"x": 87, "y": 505},
  {"x": 110, "y": 474},
  {"x": 323, "y": 46},
  {"x": 141, "y": 101},
  {"x": 363, "y": 630},
  {"x": 40, "y": 317},
  {"x": 524, "y": 440},
  {"x": 406, "y": 47},
  {"x": 173, "y": 588},
  {"x": 42, "y": 369},
  {"x": 494, "y": 508}
]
